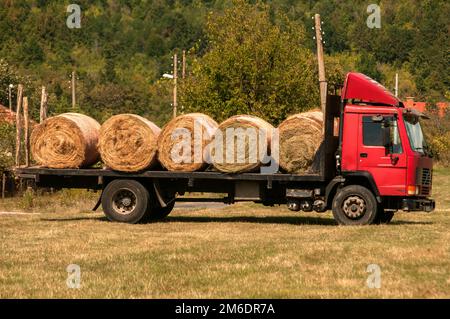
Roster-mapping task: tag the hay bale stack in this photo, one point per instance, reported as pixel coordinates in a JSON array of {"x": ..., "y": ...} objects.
[
  {"x": 300, "y": 137},
  {"x": 66, "y": 141},
  {"x": 182, "y": 142},
  {"x": 242, "y": 150},
  {"x": 128, "y": 143}
]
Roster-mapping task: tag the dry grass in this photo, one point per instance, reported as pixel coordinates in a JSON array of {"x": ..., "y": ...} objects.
[{"x": 244, "y": 250}]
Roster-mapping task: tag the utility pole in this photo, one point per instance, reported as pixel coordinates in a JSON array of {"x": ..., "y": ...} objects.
[
  {"x": 183, "y": 70},
  {"x": 396, "y": 84},
  {"x": 175, "y": 76},
  {"x": 74, "y": 102},
  {"x": 322, "y": 78}
]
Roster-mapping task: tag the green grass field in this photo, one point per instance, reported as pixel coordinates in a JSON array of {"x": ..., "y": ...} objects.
[{"x": 245, "y": 250}]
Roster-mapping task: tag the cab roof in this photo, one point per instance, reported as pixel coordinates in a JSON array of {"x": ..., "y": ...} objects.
[{"x": 360, "y": 87}]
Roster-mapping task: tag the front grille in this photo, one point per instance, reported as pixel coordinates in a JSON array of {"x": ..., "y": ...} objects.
[{"x": 424, "y": 177}]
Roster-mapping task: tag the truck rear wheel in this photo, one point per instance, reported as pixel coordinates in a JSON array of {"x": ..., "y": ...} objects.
[
  {"x": 156, "y": 212},
  {"x": 355, "y": 205},
  {"x": 125, "y": 201}
]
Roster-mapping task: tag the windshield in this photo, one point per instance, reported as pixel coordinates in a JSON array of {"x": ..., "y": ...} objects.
[{"x": 415, "y": 134}]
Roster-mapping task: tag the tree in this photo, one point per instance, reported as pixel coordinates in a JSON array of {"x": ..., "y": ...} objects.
[{"x": 252, "y": 65}]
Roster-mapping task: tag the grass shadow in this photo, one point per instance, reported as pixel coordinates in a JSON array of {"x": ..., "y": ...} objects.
[
  {"x": 289, "y": 220},
  {"x": 73, "y": 219},
  {"x": 407, "y": 222},
  {"x": 208, "y": 219}
]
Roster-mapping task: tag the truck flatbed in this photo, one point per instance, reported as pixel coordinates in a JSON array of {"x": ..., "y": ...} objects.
[{"x": 37, "y": 172}]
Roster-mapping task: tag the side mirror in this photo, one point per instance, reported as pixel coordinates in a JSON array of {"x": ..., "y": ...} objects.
[{"x": 386, "y": 132}]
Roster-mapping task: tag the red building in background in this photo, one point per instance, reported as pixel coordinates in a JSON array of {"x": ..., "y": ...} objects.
[
  {"x": 6, "y": 115},
  {"x": 422, "y": 106}
]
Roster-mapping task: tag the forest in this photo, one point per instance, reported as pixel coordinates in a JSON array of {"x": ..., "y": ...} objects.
[{"x": 242, "y": 56}]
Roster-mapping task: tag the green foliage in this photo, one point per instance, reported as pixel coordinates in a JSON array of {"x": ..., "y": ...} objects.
[
  {"x": 7, "y": 145},
  {"x": 8, "y": 75},
  {"x": 437, "y": 134},
  {"x": 252, "y": 66},
  {"x": 28, "y": 199},
  {"x": 368, "y": 65},
  {"x": 123, "y": 48}
]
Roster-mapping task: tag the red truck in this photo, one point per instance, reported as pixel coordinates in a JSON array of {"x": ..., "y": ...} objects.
[{"x": 374, "y": 162}]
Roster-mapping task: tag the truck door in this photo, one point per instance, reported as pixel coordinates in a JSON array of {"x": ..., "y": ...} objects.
[{"x": 387, "y": 165}]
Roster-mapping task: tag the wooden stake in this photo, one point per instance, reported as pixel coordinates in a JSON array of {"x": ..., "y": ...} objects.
[
  {"x": 10, "y": 97},
  {"x": 26, "y": 131},
  {"x": 183, "y": 70},
  {"x": 3, "y": 185},
  {"x": 175, "y": 76},
  {"x": 43, "y": 108},
  {"x": 18, "y": 123},
  {"x": 322, "y": 78},
  {"x": 74, "y": 102}
]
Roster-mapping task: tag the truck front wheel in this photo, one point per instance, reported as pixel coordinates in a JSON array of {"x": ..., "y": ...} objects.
[
  {"x": 384, "y": 216},
  {"x": 355, "y": 205},
  {"x": 125, "y": 201}
]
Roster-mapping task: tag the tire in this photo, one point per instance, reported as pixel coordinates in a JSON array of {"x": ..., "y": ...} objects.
[
  {"x": 156, "y": 212},
  {"x": 355, "y": 205},
  {"x": 125, "y": 201},
  {"x": 384, "y": 216}
]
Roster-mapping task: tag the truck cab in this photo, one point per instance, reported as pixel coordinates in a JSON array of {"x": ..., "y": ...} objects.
[{"x": 381, "y": 150}]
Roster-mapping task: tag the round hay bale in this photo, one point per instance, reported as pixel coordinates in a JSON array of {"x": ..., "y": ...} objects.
[
  {"x": 66, "y": 141},
  {"x": 300, "y": 137},
  {"x": 244, "y": 140},
  {"x": 128, "y": 143},
  {"x": 183, "y": 141}
]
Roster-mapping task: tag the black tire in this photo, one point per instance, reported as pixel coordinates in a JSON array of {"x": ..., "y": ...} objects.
[
  {"x": 125, "y": 201},
  {"x": 384, "y": 216},
  {"x": 355, "y": 205},
  {"x": 156, "y": 212}
]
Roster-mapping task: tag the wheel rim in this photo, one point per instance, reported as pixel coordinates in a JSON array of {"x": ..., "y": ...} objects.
[
  {"x": 354, "y": 207},
  {"x": 124, "y": 201}
]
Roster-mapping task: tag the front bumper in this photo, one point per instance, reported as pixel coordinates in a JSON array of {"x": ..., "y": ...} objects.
[{"x": 418, "y": 204}]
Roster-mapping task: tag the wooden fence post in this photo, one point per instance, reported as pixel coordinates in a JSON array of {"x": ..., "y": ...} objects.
[
  {"x": 175, "y": 76},
  {"x": 26, "y": 131},
  {"x": 43, "y": 109},
  {"x": 3, "y": 185},
  {"x": 18, "y": 123}
]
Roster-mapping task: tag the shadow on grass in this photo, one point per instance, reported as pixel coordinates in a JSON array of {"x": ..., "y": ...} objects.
[
  {"x": 406, "y": 222},
  {"x": 74, "y": 219},
  {"x": 288, "y": 220},
  {"x": 208, "y": 219}
]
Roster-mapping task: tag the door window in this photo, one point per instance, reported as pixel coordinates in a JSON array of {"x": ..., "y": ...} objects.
[{"x": 373, "y": 133}]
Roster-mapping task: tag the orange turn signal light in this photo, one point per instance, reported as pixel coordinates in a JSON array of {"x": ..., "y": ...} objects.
[{"x": 413, "y": 190}]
